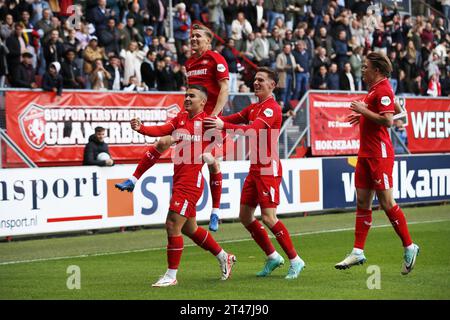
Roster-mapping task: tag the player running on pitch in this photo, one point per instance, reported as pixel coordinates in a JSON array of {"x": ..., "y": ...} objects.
[
  {"x": 186, "y": 129},
  {"x": 373, "y": 174},
  {"x": 210, "y": 70},
  {"x": 261, "y": 187}
]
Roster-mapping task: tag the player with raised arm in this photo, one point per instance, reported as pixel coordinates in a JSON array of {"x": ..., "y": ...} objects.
[
  {"x": 210, "y": 70},
  {"x": 373, "y": 174},
  {"x": 186, "y": 130},
  {"x": 261, "y": 187}
]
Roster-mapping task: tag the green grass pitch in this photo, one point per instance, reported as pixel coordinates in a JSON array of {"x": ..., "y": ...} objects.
[{"x": 124, "y": 265}]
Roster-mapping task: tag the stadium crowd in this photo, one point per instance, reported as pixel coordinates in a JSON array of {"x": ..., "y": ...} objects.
[{"x": 124, "y": 44}]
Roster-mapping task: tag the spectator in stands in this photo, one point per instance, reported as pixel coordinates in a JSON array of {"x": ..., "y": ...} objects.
[
  {"x": 230, "y": 12},
  {"x": 419, "y": 86},
  {"x": 303, "y": 60},
  {"x": 39, "y": 7},
  {"x": 320, "y": 80},
  {"x": 240, "y": 29},
  {"x": 7, "y": 27},
  {"x": 286, "y": 111},
  {"x": 70, "y": 72},
  {"x": 434, "y": 86},
  {"x": 158, "y": 13},
  {"x": 148, "y": 70},
  {"x": 96, "y": 146},
  {"x": 343, "y": 53},
  {"x": 137, "y": 15},
  {"x": 261, "y": 49},
  {"x": 109, "y": 38},
  {"x": 54, "y": 48},
  {"x": 356, "y": 64},
  {"x": 131, "y": 34},
  {"x": 16, "y": 46},
  {"x": 148, "y": 36},
  {"x": 134, "y": 85},
  {"x": 23, "y": 76},
  {"x": 133, "y": 58},
  {"x": 402, "y": 84},
  {"x": 320, "y": 59},
  {"x": 278, "y": 10},
  {"x": 333, "y": 77},
  {"x": 184, "y": 56},
  {"x": 92, "y": 53},
  {"x": 181, "y": 27},
  {"x": 52, "y": 81},
  {"x": 275, "y": 46},
  {"x": 165, "y": 77},
  {"x": 445, "y": 83},
  {"x": 380, "y": 40},
  {"x": 239, "y": 102},
  {"x": 232, "y": 62},
  {"x": 180, "y": 77},
  {"x": 114, "y": 68},
  {"x": 324, "y": 40},
  {"x": 286, "y": 67},
  {"x": 216, "y": 17},
  {"x": 72, "y": 43},
  {"x": 401, "y": 133},
  {"x": 347, "y": 78},
  {"x": 99, "y": 77},
  {"x": 99, "y": 15}
]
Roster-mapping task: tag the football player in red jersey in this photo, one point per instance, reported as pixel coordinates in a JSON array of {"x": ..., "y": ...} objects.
[
  {"x": 210, "y": 70},
  {"x": 186, "y": 130},
  {"x": 373, "y": 174},
  {"x": 261, "y": 187}
]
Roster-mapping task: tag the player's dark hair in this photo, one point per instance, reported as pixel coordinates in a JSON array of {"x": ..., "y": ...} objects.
[
  {"x": 272, "y": 74},
  {"x": 199, "y": 88},
  {"x": 99, "y": 129},
  {"x": 381, "y": 62},
  {"x": 208, "y": 32}
]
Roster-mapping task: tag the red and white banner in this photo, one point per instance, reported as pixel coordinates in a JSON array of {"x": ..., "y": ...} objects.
[
  {"x": 331, "y": 134},
  {"x": 428, "y": 125},
  {"x": 51, "y": 131}
]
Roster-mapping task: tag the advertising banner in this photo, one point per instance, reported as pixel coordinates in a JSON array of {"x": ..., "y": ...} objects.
[
  {"x": 58, "y": 199},
  {"x": 428, "y": 125},
  {"x": 331, "y": 134},
  {"x": 419, "y": 178},
  {"x": 50, "y": 130}
]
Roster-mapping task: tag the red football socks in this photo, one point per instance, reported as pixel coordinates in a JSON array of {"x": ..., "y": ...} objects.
[
  {"x": 174, "y": 251},
  {"x": 205, "y": 240},
  {"x": 215, "y": 183},
  {"x": 398, "y": 220},
  {"x": 259, "y": 234},
  {"x": 362, "y": 226},
  {"x": 150, "y": 157},
  {"x": 284, "y": 239}
]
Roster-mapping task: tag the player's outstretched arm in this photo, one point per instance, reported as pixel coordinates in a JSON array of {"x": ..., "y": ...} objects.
[
  {"x": 218, "y": 123},
  {"x": 152, "y": 131}
]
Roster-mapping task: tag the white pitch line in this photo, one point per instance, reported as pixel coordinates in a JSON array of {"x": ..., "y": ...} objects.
[{"x": 194, "y": 245}]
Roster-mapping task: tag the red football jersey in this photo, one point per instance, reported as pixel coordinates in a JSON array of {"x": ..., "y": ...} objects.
[
  {"x": 265, "y": 151},
  {"x": 374, "y": 138},
  {"x": 188, "y": 132},
  {"x": 207, "y": 70}
]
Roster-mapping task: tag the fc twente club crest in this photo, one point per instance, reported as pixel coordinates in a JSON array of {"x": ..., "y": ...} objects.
[{"x": 32, "y": 125}]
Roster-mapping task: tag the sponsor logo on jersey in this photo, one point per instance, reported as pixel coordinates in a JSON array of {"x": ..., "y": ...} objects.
[
  {"x": 385, "y": 101},
  {"x": 268, "y": 112},
  {"x": 198, "y": 72},
  {"x": 221, "y": 67}
]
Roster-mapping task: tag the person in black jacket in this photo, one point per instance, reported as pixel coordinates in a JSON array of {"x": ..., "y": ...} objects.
[
  {"x": 54, "y": 48},
  {"x": 347, "y": 78},
  {"x": 96, "y": 146},
  {"x": 14, "y": 48},
  {"x": 52, "y": 80},
  {"x": 23, "y": 76},
  {"x": 148, "y": 70},
  {"x": 114, "y": 67},
  {"x": 109, "y": 38},
  {"x": 71, "y": 73}
]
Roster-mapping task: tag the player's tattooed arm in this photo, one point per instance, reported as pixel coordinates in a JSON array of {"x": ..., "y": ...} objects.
[{"x": 222, "y": 98}]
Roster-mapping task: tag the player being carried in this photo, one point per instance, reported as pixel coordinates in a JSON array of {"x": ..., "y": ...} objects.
[
  {"x": 261, "y": 187},
  {"x": 373, "y": 174},
  {"x": 210, "y": 70},
  {"x": 186, "y": 130}
]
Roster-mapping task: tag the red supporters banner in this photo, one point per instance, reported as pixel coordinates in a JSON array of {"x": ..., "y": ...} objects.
[
  {"x": 50, "y": 130},
  {"x": 331, "y": 134},
  {"x": 428, "y": 125}
]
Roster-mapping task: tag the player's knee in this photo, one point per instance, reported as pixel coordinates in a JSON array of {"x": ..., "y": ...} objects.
[
  {"x": 170, "y": 226},
  {"x": 269, "y": 220},
  {"x": 245, "y": 219},
  {"x": 363, "y": 204}
]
